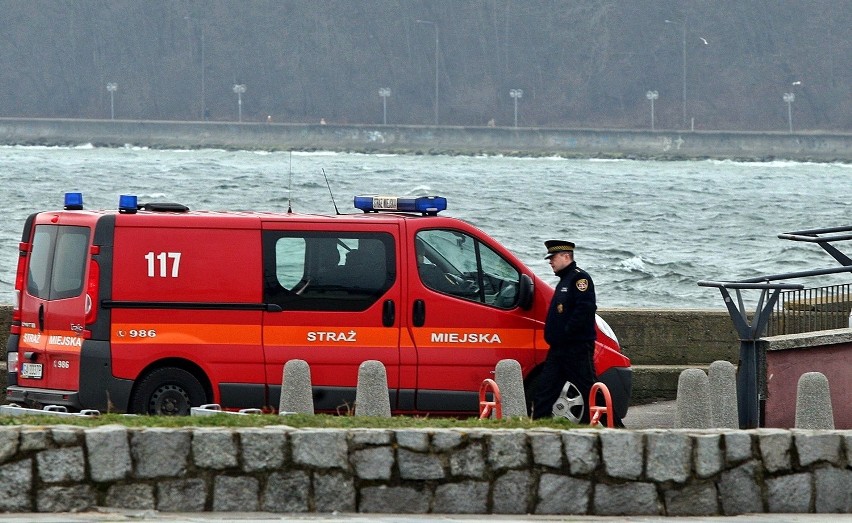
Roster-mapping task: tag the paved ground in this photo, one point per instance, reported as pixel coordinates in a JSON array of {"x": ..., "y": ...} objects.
[{"x": 660, "y": 415}]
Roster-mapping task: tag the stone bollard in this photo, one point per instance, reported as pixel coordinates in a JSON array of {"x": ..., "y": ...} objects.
[
  {"x": 813, "y": 402},
  {"x": 371, "y": 396},
  {"x": 510, "y": 381},
  {"x": 693, "y": 400},
  {"x": 296, "y": 393},
  {"x": 724, "y": 412}
]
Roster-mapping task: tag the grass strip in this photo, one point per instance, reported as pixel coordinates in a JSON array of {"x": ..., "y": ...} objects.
[{"x": 303, "y": 421}]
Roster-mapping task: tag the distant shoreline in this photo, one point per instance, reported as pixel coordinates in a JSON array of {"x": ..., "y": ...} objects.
[{"x": 417, "y": 140}]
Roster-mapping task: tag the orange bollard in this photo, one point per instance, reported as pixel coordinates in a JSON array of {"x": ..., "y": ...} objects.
[
  {"x": 595, "y": 411},
  {"x": 487, "y": 406}
]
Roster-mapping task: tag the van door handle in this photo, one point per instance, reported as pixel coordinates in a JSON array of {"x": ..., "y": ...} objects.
[
  {"x": 41, "y": 318},
  {"x": 388, "y": 313},
  {"x": 418, "y": 313}
]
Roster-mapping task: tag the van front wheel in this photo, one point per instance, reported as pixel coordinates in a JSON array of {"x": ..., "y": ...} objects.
[{"x": 168, "y": 392}]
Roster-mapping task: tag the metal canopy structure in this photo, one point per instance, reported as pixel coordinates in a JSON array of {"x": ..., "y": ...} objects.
[
  {"x": 748, "y": 394},
  {"x": 832, "y": 234}
]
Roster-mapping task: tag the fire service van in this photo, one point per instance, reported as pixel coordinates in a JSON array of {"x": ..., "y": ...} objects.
[{"x": 153, "y": 308}]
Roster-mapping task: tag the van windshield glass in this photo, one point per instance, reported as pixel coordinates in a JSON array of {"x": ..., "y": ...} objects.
[
  {"x": 451, "y": 262},
  {"x": 57, "y": 264}
]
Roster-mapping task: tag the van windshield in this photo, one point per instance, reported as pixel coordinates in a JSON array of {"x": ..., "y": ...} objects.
[
  {"x": 455, "y": 263},
  {"x": 57, "y": 262}
]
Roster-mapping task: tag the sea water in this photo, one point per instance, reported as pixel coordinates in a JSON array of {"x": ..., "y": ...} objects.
[{"x": 646, "y": 231}]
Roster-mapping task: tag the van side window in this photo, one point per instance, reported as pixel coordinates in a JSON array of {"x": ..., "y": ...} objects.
[
  {"x": 327, "y": 271},
  {"x": 57, "y": 262},
  {"x": 454, "y": 263}
]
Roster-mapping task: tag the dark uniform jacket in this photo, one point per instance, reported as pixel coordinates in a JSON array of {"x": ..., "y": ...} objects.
[{"x": 571, "y": 317}]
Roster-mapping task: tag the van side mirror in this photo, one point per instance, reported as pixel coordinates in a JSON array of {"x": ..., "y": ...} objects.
[{"x": 527, "y": 292}]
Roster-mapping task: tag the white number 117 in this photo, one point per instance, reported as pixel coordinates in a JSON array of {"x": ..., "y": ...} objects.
[{"x": 163, "y": 258}]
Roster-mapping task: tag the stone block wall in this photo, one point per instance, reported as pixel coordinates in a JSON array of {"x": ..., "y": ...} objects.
[
  {"x": 684, "y": 337},
  {"x": 457, "y": 471}
]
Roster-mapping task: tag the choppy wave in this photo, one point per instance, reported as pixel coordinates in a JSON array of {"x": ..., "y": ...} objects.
[
  {"x": 779, "y": 163},
  {"x": 633, "y": 264}
]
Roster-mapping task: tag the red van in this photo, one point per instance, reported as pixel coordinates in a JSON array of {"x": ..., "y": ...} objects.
[{"x": 153, "y": 308}]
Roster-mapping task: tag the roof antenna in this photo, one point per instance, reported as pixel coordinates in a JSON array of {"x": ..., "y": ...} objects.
[
  {"x": 330, "y": 193},
  {"x": 290, "y": 187}
]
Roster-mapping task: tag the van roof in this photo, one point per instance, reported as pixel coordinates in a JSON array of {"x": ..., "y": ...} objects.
[{"x": 222, "y": 218}]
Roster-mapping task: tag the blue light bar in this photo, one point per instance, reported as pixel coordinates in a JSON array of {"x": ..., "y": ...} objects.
[
  {"x": 73, "y": 201},
  {"x": 127, "y": 204},
  {"x": 431, "y": 205}
]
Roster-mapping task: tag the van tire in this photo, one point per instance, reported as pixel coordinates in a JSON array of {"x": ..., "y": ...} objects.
[{"x": 168, "y": 392}]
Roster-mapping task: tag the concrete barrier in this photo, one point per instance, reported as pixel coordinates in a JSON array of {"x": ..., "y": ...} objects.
[
  {"x": 723, "y": 395},
  {"x": 510, "y": 381},
  {"x": 296, "y": 392},
  {"x": 693, "y": 400},
  {"x": 612, "y": 143},
  {"x": 813, "y": 402},
  {"x": 371, "y": 394},
  {"x": 605, "y": 472}
]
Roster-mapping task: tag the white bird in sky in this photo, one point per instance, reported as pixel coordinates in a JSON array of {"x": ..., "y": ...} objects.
[
  {"x": 703, "y": 40},
  {"x": 797, "y": 82}
]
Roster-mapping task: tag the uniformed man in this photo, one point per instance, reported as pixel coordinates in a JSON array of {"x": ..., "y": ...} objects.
[{"x": 569, "y": 330}]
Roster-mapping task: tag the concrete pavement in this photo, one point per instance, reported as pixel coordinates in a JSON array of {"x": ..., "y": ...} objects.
[
  {"x": 658, "y": 415},
  {"x": 119, "y": 516}
]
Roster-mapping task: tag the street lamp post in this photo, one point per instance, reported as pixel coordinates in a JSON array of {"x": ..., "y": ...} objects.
[
  {"x": 112, "y": 88},
  {"x": 433, "y": 24},
  {"x": 203, "y": 104},
  {"x": 515, "y": 94},
  {"x": 239, "y": 89},
  {"x": 652, "y": 95},
  {"x": 384, "y": 92},
  {"x": 683, "y": 64},
  {"x": 203, "y": 73},
  {"x": 790, "y": 98}
]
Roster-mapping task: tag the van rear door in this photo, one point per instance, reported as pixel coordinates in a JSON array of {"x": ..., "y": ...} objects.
[{"x": 53, "y": 307}]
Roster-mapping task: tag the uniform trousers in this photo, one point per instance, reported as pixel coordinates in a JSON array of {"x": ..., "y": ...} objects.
[{"x": 572, "y": 362}]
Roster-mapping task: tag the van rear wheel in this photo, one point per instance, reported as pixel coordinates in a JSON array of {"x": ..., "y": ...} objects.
[{"x": 168, "y": 392}]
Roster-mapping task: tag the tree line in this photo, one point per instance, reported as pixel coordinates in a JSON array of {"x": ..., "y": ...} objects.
[{"x": 584, "y": 64}]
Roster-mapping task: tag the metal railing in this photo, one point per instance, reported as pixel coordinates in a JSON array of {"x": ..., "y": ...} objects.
[
  {"x": 809, "y": 310},
  {"x": 751, "y": 379}
]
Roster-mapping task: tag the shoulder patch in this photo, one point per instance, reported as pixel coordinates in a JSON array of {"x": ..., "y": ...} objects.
[{"x": 582, "y": 285}]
